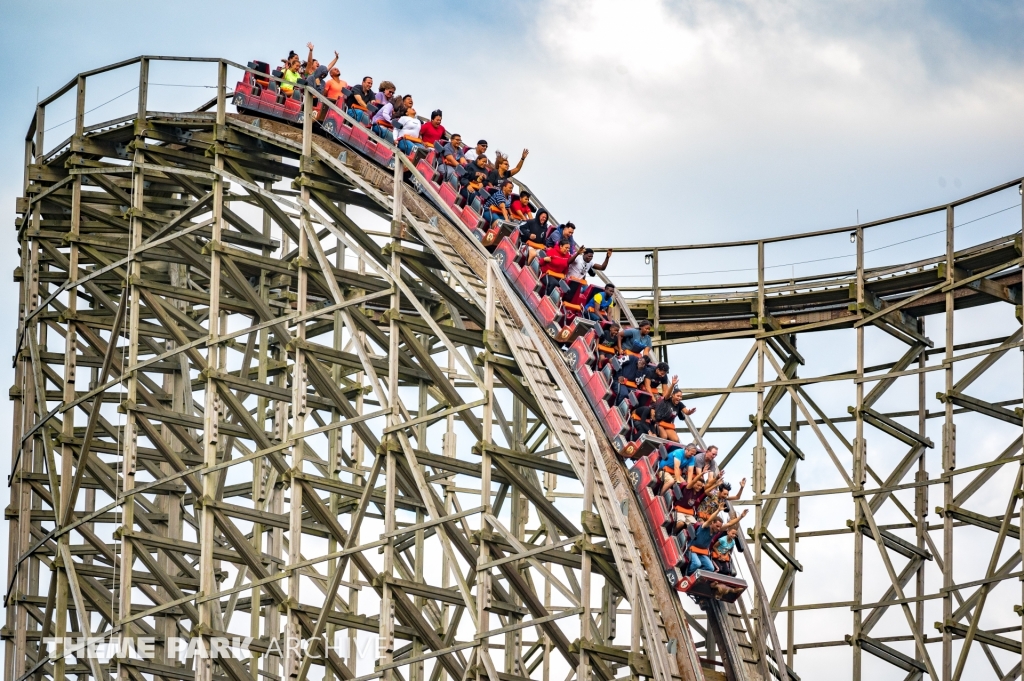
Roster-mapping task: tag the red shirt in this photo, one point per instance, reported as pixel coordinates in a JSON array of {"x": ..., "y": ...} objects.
[
  {"x": 431, "y": 133},
  {"x": 559, "y": 263},
  {"x": 518, "y": 207}
]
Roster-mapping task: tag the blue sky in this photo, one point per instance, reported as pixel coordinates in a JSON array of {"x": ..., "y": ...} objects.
[{"x": 649, "y": 123}]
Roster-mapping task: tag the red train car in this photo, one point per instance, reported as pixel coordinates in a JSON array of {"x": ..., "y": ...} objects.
[{"x": 264, "y": 96}]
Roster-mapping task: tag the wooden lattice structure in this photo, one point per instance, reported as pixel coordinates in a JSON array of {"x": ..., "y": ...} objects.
[{"x": 262, "y": 389}]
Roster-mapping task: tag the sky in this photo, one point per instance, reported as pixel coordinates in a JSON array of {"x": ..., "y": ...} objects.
[{"x": 648, "y": 123}]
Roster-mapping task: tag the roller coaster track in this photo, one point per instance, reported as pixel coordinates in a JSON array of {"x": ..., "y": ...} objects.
[
  {"x": 281, "y": 419},
  {"x": 541, "y": 366}
]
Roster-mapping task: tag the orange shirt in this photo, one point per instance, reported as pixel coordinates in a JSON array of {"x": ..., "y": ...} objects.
[{"x": 332, "y": 88}]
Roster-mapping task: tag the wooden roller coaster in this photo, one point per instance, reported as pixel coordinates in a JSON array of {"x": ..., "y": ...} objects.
[{"x": 273, "y": 381}]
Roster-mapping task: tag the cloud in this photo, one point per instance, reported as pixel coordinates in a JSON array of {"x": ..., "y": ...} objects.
[{"x": 811, "y": 108}]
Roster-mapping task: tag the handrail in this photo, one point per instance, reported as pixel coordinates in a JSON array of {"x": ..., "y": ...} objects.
[
  {"x": 821, "y": 280},
  {"x": 627, "y": 249},
  {"x": 826, "y": 232}
]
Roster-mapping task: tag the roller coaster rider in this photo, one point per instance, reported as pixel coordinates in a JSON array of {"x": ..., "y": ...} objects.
[
  {"x": 532, "y": 233},
  {"x": 553, "y": 264},
  {"x": 721, "y": 552},
  {"x": 667, "y": 410},
  {"x": 636, "y": 341},
  {"x": 700, "y": 545},
  {"x": 629, "y": 373},
  {"x": 566, "y": 232},
  {"x": 357, "y": 102},
  {"x": 381, "y": 124},
  {"x": 452, "y": 158},
  {"x": 642, "y": 422},
  {"x": 718, "y": 492},
  {"x": 522, "y": 210},
  {"x": 686, "y": 499},
  {"x": 606, "y": 347},
  {"x": 477, "y": 165},
  {"x": 599, "y": 307},
  {"x": 316, "y": 74},
  {"x": 500, "y": 203},
  {"x": 656, "y": 380},
  {"x": 474, "y": 188},
  {"x": 292, "y": 74},
  {"x": 676, "y": 466}
]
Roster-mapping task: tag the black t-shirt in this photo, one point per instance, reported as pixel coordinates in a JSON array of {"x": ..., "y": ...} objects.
[
  {"x": 473, "y": 168},
  {"x": 367, "y": 97},
  {"x": 533, "y": 230},
  {"x": 643, "y": 428},
  {"x": 468, "y": 176},
  {"x": 494, "y": 179},
  {"x": 651, "y": 374},
  {"x": 665, "y": 411},
  {"x": 630, "y": 369}
]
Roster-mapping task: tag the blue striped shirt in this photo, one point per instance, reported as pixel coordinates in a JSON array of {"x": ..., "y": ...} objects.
[{"x": 498, "y": 198}]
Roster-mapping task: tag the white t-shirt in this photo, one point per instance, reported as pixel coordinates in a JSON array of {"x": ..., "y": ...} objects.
[
  {"x": 578, "y": 269},
  {"x": 407, "y": 126},
  {"x": 471, "y": 155}
]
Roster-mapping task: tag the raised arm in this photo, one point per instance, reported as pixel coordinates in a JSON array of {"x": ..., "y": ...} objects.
[
  {"x": 667, "y": 389},
  {"x": 309, "y": 59},
  {"x": 604, "y": 265},
  {"x": 695, "y": 476},
  {"x": 739, "y": 493},
  {"x": 519, "y": 166},
  {"x": 736, "y": 520},
  {"x": 335, "y": 61},
  {"x": 711, "y": 518}
]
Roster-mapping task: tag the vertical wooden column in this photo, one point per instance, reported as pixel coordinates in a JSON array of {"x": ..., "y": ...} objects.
[
  {"x": 356, "y": 336},
  {"x": 261, "y": 489},
  {"x": 416, "y": 668},
  {"x": 67, "y": 453},
  {"x": 448, "y": 445},
  {"x": 656, "y": 298},
  {"x": 792, "y": 523},
  {"x": 859, "y": 467},
  {"x": 128, "y": 443},
  {"x": 760, "y": 454},
  {"x": 209, "y": 610},
  {"x": 29, "y": 414},
  {"x": 921, "y": 492},
  {"x": 635, "y": 624},
  {"x": 387, "y": 607},
  {"x": 334, "y": 454},
  {"x": 583, "y": 670},
  {"x": 948, "y": 459},
  {"x": 35, "y": 456},
  {"x": 293, "y": 630},
  {"x": 14, "y": 545},
  {"x": 520, "y": 512},
  {"x": 483, "y": 577}
]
